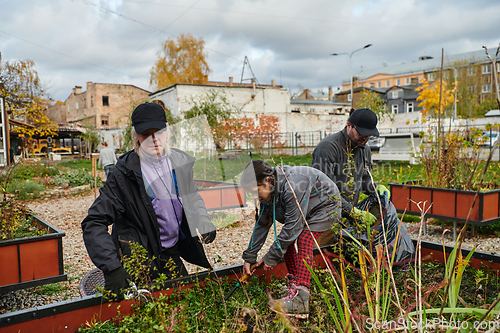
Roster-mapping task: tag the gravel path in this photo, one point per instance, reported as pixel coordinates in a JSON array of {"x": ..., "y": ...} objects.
[{"x": 231, "y": 241}]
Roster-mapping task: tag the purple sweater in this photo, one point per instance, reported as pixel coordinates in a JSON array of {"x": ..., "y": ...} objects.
[{"x": 157, "y": 174}]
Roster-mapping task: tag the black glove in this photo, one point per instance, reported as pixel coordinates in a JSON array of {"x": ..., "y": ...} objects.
[
  {"x": 208, "y": 232},
  {"x": 116, "y": 281}
]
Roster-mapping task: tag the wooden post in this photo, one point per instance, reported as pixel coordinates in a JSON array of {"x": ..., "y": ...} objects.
[
  {"x": 94, "y": 158},
  {"x": 6, "y": 126}
]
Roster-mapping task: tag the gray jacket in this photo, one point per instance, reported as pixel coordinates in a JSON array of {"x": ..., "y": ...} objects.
[
  {"x": 319, "y": 200},
  {"x": 350, "y": 175},
  {"x": 106, "y": 157}
]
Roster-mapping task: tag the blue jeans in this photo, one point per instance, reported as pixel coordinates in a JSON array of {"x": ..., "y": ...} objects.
[{"x": 107, "y": 168}]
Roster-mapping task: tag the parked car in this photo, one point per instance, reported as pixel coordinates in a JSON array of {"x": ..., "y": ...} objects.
[
  {"x": 489, "y": 138},
  {"x": 376, "y": 142}
]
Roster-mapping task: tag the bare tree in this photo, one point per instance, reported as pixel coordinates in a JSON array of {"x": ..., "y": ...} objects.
[{"x": 495, "y": 75}]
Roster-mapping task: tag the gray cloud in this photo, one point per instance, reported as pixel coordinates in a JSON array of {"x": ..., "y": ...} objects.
[{"x": 73, "y": 42}]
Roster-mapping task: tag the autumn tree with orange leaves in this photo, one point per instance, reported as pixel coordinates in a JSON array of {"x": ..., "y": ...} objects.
[
  {"x": 24, "y": 97},
  {"x": 182, "y": 60}
]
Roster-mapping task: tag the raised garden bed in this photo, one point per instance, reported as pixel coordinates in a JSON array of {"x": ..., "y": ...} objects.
[
  {"x": 32, "y": 261},
  {"x": 70, "y": 315},
  {"x": 447, "y": 204},
  {"x": 221, "y": 195}
]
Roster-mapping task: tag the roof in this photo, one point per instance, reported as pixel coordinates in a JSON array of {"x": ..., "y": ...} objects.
[
  {"x": 358, "y": 89},
  {"x": 315, "y": 101},
  {"x": 219, "y": 84},
  {"x": 427, "y": 65},
  {"x": 320, "y": 94},
  {"x": 492, "y": 113},
  {"x": 20, "y": 123}
]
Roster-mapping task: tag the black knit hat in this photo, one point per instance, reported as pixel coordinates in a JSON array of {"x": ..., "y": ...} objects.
[
  {"x": 147, "y": 116},
  {"x": 365, "y": 121}
]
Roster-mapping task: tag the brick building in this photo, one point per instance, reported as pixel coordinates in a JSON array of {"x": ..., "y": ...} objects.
[{"x": 102, "y": 105}]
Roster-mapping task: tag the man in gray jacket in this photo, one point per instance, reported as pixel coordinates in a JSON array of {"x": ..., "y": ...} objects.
[{"x": 345, "y": 158}]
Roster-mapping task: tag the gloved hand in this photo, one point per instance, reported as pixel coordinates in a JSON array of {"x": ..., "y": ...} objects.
[
  {"x": 116, "y": 281},
  {"x": 382, "y": 190},
  {"x": 363, "y": 215},
  {"x": 208, "y": 232}
]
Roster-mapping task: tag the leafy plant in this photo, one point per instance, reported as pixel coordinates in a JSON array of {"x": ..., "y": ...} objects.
[
  {"x": 77, "y": 178},
  {"x": 25, "y": 190},
  {"x": 16, "y": 221},
  {"x": 30, "y": 170}
]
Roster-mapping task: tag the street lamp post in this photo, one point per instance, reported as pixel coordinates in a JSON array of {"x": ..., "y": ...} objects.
[{"x": 350, "y": 66}]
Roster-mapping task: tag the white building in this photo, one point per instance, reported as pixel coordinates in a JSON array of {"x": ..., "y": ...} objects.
[{"x": 255, "y": 100}]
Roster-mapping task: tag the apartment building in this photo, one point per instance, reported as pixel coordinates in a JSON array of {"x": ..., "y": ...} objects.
[{"x": 473, "y": 67}]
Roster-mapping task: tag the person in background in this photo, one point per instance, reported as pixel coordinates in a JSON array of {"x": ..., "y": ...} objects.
[
  {"x": 150, "y": 198},
  {"x": 107, "y": 158},
  {"x": 345, "y": 158},
  {"x": 319, "y": 200}
]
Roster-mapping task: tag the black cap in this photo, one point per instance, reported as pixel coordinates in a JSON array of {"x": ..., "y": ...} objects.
[
  {"x": 365, "y": 121},
  {"x": 147, "y": 116}
]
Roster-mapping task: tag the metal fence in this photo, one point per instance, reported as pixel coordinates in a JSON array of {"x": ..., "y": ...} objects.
[
  {"x": 287, "y": 143},
  {"x": 301, "y": 143}
]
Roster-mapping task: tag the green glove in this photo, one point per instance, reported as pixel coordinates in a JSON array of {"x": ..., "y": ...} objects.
[
  {"x": 363, "y": 215},
  {"x": 382, "y": 190}
]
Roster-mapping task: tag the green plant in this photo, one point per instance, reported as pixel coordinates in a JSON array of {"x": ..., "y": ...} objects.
[
  {"x": 29, "y": 170},
  {"x": 222, "y": 219},
  {"x": 77, "y": 164},
  {"x": 16, "y": 221},
  {"x": 50, "y": 289},
  {"x": 77, "y": 178},
  {"x": 25, "y": 190}
]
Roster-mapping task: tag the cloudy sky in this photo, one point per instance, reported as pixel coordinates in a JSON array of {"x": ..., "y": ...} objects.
[{"x": 116, "y": 41}]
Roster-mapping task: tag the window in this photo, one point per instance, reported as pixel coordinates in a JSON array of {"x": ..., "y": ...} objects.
[
  {"x": 498, "y": 67},
  {"x": 372, "y": 85},
  {"x": 487, "y": 69},
  {"x": 349, "y": 98},
  {"x": 297, "y": 110},
  {"x": 472, "y": 89},
  {"x": 409, "y": 107},
  {"x": 430, "y": 76},
  {"x": 394, "y": 108},
  {"x": 84, "y": 103},
  {"x": 414, "y": 80},
  {"x": 77, "y": 105},
  {"x": 311, "y": 110},
  {"x": 379, "y": 84},
  {"x": 104, "y": 120},
  {"x": 91, "y": 101},
  {"x": 407, "y": 81},
  {"x": 486, "y": 88},
  {"x": 472, "y": 71},
  {"x": 395, "y": 94},
  {"x": 387, "y": 83},
  {"x": 105, "y": 100},
  {"x": 398, "y": 82},
  {"x": 362, "y": 84},
  {"x": 68, "y": 107}
]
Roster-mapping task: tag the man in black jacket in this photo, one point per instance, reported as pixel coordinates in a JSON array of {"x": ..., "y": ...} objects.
[
  {"x": 345, "y": 158},
  {"x": 150, "y": 198}
]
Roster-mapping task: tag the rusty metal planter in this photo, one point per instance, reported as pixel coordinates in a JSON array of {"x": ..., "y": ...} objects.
[
  {"x": 448, "y": 204},
  {"x": 32, "y": 261},
  {"x": 220, "y": 195}
]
